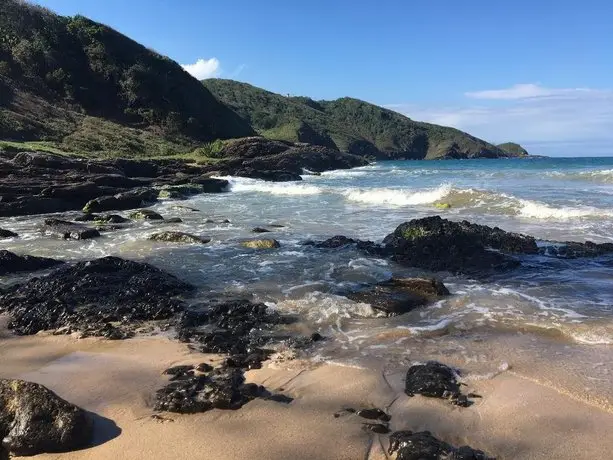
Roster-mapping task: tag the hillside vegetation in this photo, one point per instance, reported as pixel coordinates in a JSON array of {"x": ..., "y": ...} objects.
[
  {"x": 88, "y": 88},
  {"x": 348, "y": 124}
]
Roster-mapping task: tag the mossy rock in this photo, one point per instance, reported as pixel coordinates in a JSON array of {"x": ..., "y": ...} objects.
[
  {"x": 178, "y": 237},
  {"x": 179, "y": 192},
  {"x": 414, "y": 233},
  {"x": 442, "y": 205},
  {"x": 267, "y": 243},
  {"x": 110, "y": 219},
  {"x": 145, "y": 214}
]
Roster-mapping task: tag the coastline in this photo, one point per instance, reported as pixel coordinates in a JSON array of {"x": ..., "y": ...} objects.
[{"x": 520, "y": 415}]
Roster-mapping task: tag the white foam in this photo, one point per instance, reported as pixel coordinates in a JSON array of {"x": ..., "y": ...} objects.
[
  {"x": 536, "y": 210},
  {"x": 397, "y": 197},
  {"x": 242, "y": 184}
]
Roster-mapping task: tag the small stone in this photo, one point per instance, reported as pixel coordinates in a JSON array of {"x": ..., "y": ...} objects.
[
  {"x": 261, "y": 244},
  {"x": 260, "y": 230},
  {"x": 146, "y": 214}
]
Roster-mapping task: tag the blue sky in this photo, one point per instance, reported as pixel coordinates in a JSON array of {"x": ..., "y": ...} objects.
[{"x": 537, "y": 72}]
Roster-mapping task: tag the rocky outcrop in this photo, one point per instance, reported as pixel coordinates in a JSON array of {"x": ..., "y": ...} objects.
[
  {"x": 122, "y": 201},
  {"x": 459, "y": 247},
  {"x": 398, "y": 296},
  {"x": 12, "y": 263},
  {"x": 422, "y": 445},
  {"x": 105, "y": 297},
  {"x": 178, "y": 237},
  {"x": 34, "y": 420},
  {"x": 513, "y": 150},
  {"x": 260, "y": 158},
  {"x": 69, "y": 230}
]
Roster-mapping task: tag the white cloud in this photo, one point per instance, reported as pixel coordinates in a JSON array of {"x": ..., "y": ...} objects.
[
  {"x": 204, "y": 68},
  {"x": 546, "y": 118}
]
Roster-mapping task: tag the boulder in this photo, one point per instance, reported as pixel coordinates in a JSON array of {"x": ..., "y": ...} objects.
[
  {"x": 261, "y": 244},
  {"x": 435, "y": 380},
  {"x": 34, "y": 420},
  {"x": 398, "y": 296},
  {"x": 7, "y": 234},
  {"x": 145, "y": 214},
  {"x": 422, "y": 445},
  {"x": 27, "y": 205},
  {"x": 178, "y": 237},
  {"x": 122, "y": 201},
  {"x": 100, "y": 297},
  {"x": 441, "y": 245},
  {"x": 69, "y": 230},
  {"x": 211, "y": 185},
  {"x": 12, "y": 263}
]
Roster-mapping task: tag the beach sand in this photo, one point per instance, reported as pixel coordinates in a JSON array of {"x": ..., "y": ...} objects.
[{"x": 518, "y": 417}]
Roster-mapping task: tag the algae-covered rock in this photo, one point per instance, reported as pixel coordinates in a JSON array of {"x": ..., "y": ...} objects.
[
  {"x": 442, "y": 205},
  {"x": 268, "y": 243},
  {"x": 178, "y": 237},
  {"x": 145, "y": 214},
  {"x": 34, "y": 420}
]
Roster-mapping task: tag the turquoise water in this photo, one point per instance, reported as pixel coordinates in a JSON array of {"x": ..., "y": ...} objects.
[{"x": 554, "y": 199}]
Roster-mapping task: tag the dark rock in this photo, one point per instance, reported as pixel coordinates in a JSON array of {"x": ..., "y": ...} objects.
[
  {"x": 260, "y": 230},
  {"x": 200, "y": 393},
  {"x": 7, "y": 234},
  {"x": 12, "y": 263},
  {"x": 111, "y": 219},
  {"x": 341, "y": 242},
  {"x": 34, "y": 420},
  {"x": 178, "y": 237},
  {"x": 441, "y": 245},
  {"x": 235, "y": 327},
  {"x": 145, "y": 214},
  {"x": 378, "y": 428},
  {"x": 122, "y": 201},
  {"x": 79, "y": 193},
  {"x": 69, "y": 230},
  {"x": 210, "y": 185},
  {"x": 399, "y": 296},
  {"x": 90, "y": 296},
  {"x": 424, "y": 446},
  {"x": 204, "y": 367},
  {"x": 273, "y": 175},
  {"x": 435, "y": 380},
  {"x": 574, "y": 250},
  {"x": 173, "y": 220},
  {"x": 373, "y": 414},
  {"x": 28, "y": 205}
]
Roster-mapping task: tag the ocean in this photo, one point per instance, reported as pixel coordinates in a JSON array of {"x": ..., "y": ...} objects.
[{"x": 546, "y": 310}]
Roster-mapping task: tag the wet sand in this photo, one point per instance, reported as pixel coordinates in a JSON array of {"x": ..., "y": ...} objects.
[{"x": 519, "y": 417}]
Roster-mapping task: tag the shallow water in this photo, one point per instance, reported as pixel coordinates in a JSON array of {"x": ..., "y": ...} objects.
[{"x": 555, "y": 199}]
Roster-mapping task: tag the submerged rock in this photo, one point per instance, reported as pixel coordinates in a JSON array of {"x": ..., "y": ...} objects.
[
  {"x": 574, "y": 250},
  {"x": 69, "y": 230},
  {"x": 12, "y": 263},
  {"x": 7, "y": 234},
  {"x": 237, "y": 327},
  {"x": 261, "y": 244},
  {"x": 179, "y": 237},
  {"x": 340, "y": 242},
  {"x": 435, "y": 380},
  {"x": 34, "y": 420},
  {"x": 260, "y": 230},
  {"x": 459, "y": 247},
  {"x": 398, "y": 296},
  {"x": 90, "y": 296},
  {"x": 424, "y": 446},
  {"x": 111, "y": 219},
  {"x": 146, "y": 214},
  {"x": 173, "y": 220}
]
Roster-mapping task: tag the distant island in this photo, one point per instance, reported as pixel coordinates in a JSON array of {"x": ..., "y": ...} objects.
[{"x": 81, "y": 87}]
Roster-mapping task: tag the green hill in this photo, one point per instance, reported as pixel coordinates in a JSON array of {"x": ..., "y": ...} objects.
[
  {"x": 513, "y": 149},
  {"x": 348, "y": 124},
  {"x": 84, "y": 87}
]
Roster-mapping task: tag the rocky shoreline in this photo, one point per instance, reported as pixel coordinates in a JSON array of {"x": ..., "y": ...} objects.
[{"x": 117, "y": 299}]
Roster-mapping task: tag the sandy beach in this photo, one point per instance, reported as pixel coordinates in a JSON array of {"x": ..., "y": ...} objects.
[{"x": 518, "y": 417}]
